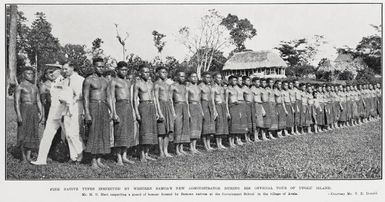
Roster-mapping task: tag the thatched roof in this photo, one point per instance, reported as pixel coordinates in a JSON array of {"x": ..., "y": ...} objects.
[
  {"x": 344, "y": 58},
  {"x": 253, "y": 60}
]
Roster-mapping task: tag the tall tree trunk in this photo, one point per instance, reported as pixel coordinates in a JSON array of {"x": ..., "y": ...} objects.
[
  {"x": 199, "y": 71},
  {"x": 124, "y": 53},
  {"x": 12, "y": 55},
  {"x": 210, "y": 60}
]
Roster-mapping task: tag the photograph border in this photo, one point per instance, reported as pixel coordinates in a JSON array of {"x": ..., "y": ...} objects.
[{"x": 181, "y": 4}]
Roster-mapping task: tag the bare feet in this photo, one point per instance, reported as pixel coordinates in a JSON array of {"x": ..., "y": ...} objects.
[
  {"x": 101, "y": 165},
  {"x": 168, "y": 155},
  {"x": 150, "y": 158},
  {"x": 125, "y": 160},
  {"x": 94, "y": 165}
]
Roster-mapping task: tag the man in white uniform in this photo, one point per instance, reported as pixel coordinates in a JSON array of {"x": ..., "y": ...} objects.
[
  {"x": 73, "y": 99},
  {"x": 54, "y": 121},
  {"x": 66, "y": 109}
]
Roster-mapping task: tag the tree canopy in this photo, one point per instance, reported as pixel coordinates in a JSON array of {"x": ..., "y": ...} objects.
[{"x": 240, "y": 30}]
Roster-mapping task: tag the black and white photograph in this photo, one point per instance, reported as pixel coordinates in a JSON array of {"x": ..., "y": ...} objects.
[{"x": 193, "y": 91}]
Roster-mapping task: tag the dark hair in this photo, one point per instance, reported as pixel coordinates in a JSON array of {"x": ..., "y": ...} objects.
[
  {"x": 179, "y": 71},
  {"x": 27, "y": 68},
  {"x": 142, "y": 66},
  {"x": 268, "y": 80},
  {"x": 191, "y": 73},
  {"x": 302, "y": 84},
  {"x": 160, "y": 68},
  {"x": 205, "y": 73},
  {"x": 232, "y": 77},
  {"x": 255, "y": 79},
  {"x": 244, "y": 78},
  {"x": 121, "y": 64},
  {"x": 283, "y": 82},
  {"x": 110, "y": 72},
  {"x": 97, "y": 59},
  {"x": 314, "y": 92},
  {"x": 217, "y": 73}
]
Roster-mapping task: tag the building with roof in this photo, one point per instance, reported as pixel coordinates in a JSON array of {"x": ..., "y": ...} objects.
[{"x": 263, "y": 64}]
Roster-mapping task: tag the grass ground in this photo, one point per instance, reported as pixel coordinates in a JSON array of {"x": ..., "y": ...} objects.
[{"x": 352, "y": 153}]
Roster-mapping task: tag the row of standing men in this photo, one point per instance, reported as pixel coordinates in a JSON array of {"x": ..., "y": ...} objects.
[{"x": 244, "y": 110}]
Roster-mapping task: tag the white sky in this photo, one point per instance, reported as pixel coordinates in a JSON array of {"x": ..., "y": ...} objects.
[{"x": 342, "y": 24}]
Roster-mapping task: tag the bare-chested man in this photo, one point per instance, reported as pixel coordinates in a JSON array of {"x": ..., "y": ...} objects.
[
  {"x": 165, "y": 110},
  {"x": 97, "y": 115},
  {"x": 249, "y": 107},
  {"x": 221, "y": 121},
  {"x": 259, "y": 110},
  {"x": 291, "y": 118},
  {"x": 182, "y": 125},
  {"x": 29, "y": 112},
  {"x": 280, "y": 107},
  {"x": 209, "y": 111},
  {"x": 195, "y": 111},
  {"x": 120, "y": 89},
  {"x": 298, "y": 108},
  {"x": 265, "y": 91},
  {"x": 287, "y": 98},
  {"x": 146, "y": 112},
  {"x": 272, "y": 105},
  {"x": 238, "y": 118}
]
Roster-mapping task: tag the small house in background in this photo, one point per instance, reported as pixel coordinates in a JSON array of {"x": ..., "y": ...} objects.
[{"x": 263, "y": 64}]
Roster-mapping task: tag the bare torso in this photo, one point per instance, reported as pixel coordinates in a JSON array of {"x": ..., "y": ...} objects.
[
  {"x": 219, "y": 93},
  {"x": 194, "y": 93},
  {"x": 205, "y": 92},
  {"x": 163, "y": 90},
  {"x": 98, "y": 88},
  {"x": 145, "y": 90},
  {"x": 28, "y": 92},
  {"x": 122, "y": 89},
  {"x": 249, "y": 96},
  {"x": 240, "y": 94},
  {"x": 232, "y": 95},
  {"x": 179, "y": 92},
  {"x": 256, "y": 94},
  {"x": 278, "y": 96}
]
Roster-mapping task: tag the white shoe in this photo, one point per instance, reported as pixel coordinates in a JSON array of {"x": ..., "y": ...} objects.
[{"x": 37, "y": 163}]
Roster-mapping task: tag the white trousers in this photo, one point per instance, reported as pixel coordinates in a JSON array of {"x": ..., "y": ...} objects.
[
  {"x": 71, "y": 131},
  {"x": 70, "y": 127}
]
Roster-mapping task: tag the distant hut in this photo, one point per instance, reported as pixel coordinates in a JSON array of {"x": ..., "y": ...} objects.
[
  {"x": 343, "y": 62},
  {"x": 264, "y": 64}
]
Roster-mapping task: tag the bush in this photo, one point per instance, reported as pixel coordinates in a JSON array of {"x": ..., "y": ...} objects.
[
  {"x": 323, "y": 75},
  {"x": 366, "y": 75},
  {"x": 346, "y": 75},
  {"x": 299, "y": 71}
]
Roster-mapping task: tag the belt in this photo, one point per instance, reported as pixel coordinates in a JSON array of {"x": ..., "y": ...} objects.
[
  {"x": 241, "y": 101},
  {"x": 181, "y": 102},
  {"x": 193, "y": 102},
  {"x": 146, "y": 101},
  {"x": 29, "y": 103},
  {"x": 123, "y": 100},
  {"x": 96, "y": 101}
]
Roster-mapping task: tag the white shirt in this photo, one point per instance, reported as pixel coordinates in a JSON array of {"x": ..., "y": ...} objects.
[
  {"x": 72, "y": 92},
  {"x": 56, "y": 110}
]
